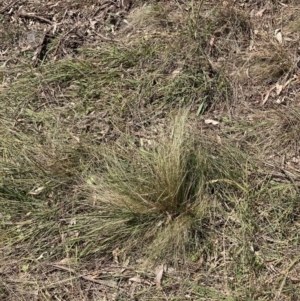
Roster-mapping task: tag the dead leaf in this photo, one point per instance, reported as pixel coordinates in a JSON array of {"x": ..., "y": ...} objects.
[
  {"x": 67, "y": 261},
  {"x": 93, "y": 275},
  {"x": 211, "y": 121},
  {"x": 136, "y": 279},
  {"x": 116, "y": 253},
  {"x": 294, "y": 279},
  {"x": 211, "y": 44},
  {"x": 76, "y": 138},
  {"x": 219, "y": 140},
  {"x": 278, "y": 36},
  {"x": 176, "y": 72},
  {"x": 36, "y": 191},
  {"x": 93, "y": 23},
  {"x": 260, "y": 12},
  {"x": 268, "y": 94},
  {"x": 279, "y": 88},
  {"x": 72, "y": 222},
  {"x": 63, "y": 268},
  {"x": 159, "y": 275}
]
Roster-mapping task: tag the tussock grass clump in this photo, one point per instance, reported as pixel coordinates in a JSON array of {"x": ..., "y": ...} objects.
[
  {"x": 270, "y": 63},
  {"x": 290, "y": 121},
  {"x": 158, "y": 200}
]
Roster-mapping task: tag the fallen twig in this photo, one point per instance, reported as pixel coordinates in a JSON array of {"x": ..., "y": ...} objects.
[
  {"x": 33, "y": 16},
  {"x": 87, "y": 277}
]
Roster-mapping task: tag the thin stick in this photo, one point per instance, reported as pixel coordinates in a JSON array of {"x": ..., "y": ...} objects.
[
  {"x": 33, "y": 16},
  {"x": 85, "y": 277}
]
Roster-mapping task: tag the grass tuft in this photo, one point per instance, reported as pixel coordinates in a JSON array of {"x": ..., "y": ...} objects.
[
  {"x": 157, "y": 200},
  {"x": 270, "y": 63}
]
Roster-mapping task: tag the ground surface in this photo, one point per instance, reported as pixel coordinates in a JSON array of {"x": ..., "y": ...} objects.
[{"x": 89, "y": 95}]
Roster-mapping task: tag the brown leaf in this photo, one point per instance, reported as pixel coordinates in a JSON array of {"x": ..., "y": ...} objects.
[
  {"x": 294, "y": 279},
  {"x": 116, "y": 253},
  {"x": 267, "y": 94},
  {"x": 279, "y": 88},
  {"x": 176, "y": 72},
  {"x": 159, "y": 275},
  {"x": 260, "y": 12},
  {"x": 278, "y": 36},
  {"x": 136, "y": 279},
  {"x": 211, "y": 121}
]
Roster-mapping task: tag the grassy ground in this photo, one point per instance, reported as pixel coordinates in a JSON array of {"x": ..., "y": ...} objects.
[{"x": 149, "y": 150}]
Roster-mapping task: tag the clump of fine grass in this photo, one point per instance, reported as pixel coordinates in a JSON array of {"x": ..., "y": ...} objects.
[
  {"x": 269, "y": 64},
  {"x": 158, "y": 201},
  {"x": 290, "y": 121},
  {"x": 37, "y": 175}
]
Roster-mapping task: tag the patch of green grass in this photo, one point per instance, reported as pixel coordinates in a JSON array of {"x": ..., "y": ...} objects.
[{"x": 121, "y": 78}]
